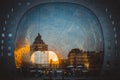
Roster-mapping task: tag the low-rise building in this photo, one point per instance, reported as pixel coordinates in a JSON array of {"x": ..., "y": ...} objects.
[{"x": 78, "y": 57}]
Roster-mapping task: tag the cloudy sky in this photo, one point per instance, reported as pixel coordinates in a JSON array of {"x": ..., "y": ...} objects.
[{"x": 62, "y": 26}]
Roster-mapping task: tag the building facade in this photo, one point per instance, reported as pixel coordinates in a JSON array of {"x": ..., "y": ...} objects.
[
  {"x": 38, "y": 48},
  {"x": 77, "y": 57},
  {"x": 38, "y": 44},
  {"x": 41, "y": 57}
]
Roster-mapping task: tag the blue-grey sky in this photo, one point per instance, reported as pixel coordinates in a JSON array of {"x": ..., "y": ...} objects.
[{"x": 62, "y": 27}]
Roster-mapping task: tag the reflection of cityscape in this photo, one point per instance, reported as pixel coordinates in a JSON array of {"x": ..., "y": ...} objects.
[{"x": 42, "y": 58}]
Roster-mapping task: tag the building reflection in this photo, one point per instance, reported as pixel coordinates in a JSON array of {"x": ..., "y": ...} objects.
[
  {"x": 91, "y": 60},
  {"x": 45, "y": 62}
]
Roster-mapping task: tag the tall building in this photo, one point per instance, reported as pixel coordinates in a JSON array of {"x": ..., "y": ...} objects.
[
  {"x": 41, "y": 57},
  {"x": 77, "y": 57},
  {"x": 38, "y": 48}
]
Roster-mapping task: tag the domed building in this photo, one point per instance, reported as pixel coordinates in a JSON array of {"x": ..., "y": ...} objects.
[
  {"x": 40, "y": 56},
  {"x": 37, "y": 49}
]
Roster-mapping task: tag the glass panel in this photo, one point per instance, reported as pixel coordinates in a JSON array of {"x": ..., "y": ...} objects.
[{"x": 72, "y": 32}]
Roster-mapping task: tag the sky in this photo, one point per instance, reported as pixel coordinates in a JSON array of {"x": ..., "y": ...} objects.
[{"x": 62, "y": 27}]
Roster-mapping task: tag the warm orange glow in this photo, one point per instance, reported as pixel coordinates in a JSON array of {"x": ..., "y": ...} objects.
[
  {"x": 39, "y": 57},
  {"x": 86, "y": 63},
  {"x": 22, "y": 54},
  {"x": 53, "y": 56},
  {"x": 49, "y": 56},
  {"x": 19, "y": 53},
  {"x": 55, "y": 59}
]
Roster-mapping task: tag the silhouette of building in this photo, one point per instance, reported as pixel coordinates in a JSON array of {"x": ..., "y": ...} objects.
[
  {"x": 40, "y": 59},
  {"x": 95, "y": 61},
  {"x": 38, "y": 48},
  {"x": 38, "y": 44}
]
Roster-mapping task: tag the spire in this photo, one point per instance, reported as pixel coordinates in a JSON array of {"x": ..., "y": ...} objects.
[
  {"x": 39, "y": 35},
  {"x": 39, "y": 44},
  {"x": 38, "y": 39}
]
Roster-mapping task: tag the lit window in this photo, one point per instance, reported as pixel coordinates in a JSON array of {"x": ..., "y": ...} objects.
[
  {"x": 2, "y": 41},
  {"x": 4, "y": 29},
  {"x": 113, "y": 22},
  {"x": 9, "y": 35},
  {"x": 110, "y": 16},
  {"x": 5, "y": 22},
  {"x": 115, "y": 41},
  {"x": 114, "y": 29},
  {"x": 9, "y": 54},
  {"x": 106, "y": 10},
  {"x": 28, "y": 3},
  {"x": 3, "y": 35},
  {"x": 115, "y": 35},
  {"x": 12, "y": 9},
  {"x": 9, "y": 48}
]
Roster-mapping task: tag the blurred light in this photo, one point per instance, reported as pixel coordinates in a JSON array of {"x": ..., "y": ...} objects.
[
  {"x": 114, "y": 29},
  {"x": 19, "y": 52},
  {"x": 4, "y": 29},
  {"x": 110, "y": 16},
  {"x": 3, "y": 35},
  {"x": 106, "y": 10},
  {"x": 9, "y": 54},
  {"x": 10, "y": 35},
  {"x": 115, "y": 41},
  {"x": 12, "y": 9},
  {"x": 113, "y": 22},
  {"x": 39, "y": 57},
  {"x": 5, "y": 22},
  {"x": 115, "y": 35},
  {"x": 2, "y": 41},
  {"x": 9, "y": 48},
  {"x": 28, "y": 3}
]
